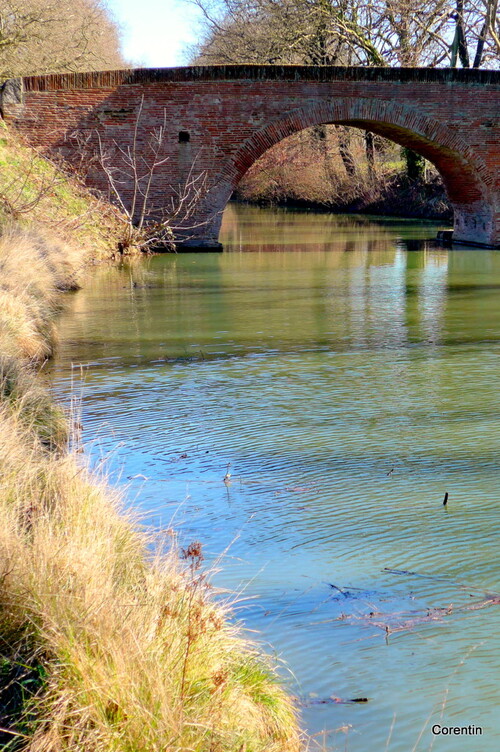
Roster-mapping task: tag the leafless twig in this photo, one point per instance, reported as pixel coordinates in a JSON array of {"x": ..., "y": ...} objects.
[{"x": 130, "y": 173}]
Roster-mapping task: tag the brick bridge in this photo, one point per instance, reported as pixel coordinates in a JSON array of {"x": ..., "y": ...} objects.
[{"x": 218, "y": 120}]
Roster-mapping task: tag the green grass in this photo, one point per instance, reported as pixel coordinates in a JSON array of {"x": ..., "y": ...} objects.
[{"x": 34, "y": 190}]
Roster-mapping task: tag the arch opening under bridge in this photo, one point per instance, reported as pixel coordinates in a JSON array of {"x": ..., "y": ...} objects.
[{"x": 465, "y": 176}]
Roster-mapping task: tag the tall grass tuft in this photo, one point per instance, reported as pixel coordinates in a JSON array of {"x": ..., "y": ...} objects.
[
  {"x": 34, "y": 268},
  {"x": 106, "y": 645}
]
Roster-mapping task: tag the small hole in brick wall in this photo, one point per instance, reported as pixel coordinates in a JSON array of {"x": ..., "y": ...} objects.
[{"x": 184, "y": 137}]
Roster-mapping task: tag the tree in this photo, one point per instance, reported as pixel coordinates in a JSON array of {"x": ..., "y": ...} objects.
[
  {"x": 43, "y": 36},
  {"x": 130, "y": 174},
  {"x": 477, "y": 33},
  {"x": 350, "y": 32}
]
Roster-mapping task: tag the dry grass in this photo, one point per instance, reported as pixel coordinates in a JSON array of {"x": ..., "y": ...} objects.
[
  {"x": 34, "y": 268},
  {"x": 109, "y": 647},
  {"x": 104, "y": 645},
  {"x": 307, "y": 167},
  {"x": 307, "y": 170}
]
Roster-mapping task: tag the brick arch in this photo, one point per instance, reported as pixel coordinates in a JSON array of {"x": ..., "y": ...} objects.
[{"x": 466, "y": 177}]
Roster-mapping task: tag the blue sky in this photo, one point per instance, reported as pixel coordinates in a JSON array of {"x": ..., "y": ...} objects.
[{"x": 155, "y": 32}]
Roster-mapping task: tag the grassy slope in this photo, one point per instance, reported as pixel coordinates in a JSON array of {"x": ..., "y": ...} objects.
[
  {"x": 34, "y": 191},
  {"x": 103, "y": 645}
]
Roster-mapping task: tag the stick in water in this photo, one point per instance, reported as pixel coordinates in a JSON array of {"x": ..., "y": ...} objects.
[{"x": 445, "y": 500}]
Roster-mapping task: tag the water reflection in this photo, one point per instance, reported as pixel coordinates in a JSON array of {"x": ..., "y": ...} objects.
[{"x": 350, "y": 381}]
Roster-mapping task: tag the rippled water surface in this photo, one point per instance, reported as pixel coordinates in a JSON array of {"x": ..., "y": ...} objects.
[{"x": 348, "y": 371}]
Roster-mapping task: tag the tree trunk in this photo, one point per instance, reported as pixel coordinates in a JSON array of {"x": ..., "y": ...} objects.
[
  {"x": 370, "y": 153},
  {"x": 320, "y": 134},
  {"x": 415, "y": 164},
  {"x": 345, "y": 149},
  {"x": 459, "y": 44}
]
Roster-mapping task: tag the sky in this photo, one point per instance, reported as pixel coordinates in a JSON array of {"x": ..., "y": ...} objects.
[{"x": 156, "y": 32}]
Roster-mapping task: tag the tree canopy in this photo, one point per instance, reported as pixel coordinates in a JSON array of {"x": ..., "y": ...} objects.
[
  {"x": 351, "y": 32},
  {"x": 44, "y": 36}
]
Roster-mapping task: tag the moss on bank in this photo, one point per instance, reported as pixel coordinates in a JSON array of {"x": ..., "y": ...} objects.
[{"x": 103, "y": 644}]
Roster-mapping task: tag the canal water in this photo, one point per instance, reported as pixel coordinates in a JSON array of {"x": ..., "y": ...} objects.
[{"x": 344, "y": 371}]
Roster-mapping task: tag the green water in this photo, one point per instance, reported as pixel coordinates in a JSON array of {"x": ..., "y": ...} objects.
[{"x": 348, "y": 371}]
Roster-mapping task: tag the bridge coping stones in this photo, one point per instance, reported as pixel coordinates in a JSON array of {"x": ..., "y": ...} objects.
[{"x": 92, "y": 80}]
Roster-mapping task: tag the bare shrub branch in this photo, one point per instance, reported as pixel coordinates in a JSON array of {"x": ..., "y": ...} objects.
[
  {"x": 27, "y": 188},
  {"x": 130, "y": 172}
]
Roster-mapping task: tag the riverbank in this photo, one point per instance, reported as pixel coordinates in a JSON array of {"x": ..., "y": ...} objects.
[
  {"x": 392, "y": 197},
  {"x": 329, "y": 359},
  {"x": 105, "y": 644},
  {"x": 35, "y": 192}
]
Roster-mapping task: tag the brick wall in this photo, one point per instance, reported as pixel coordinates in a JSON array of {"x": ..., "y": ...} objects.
[{"x": 218, "y": 120}]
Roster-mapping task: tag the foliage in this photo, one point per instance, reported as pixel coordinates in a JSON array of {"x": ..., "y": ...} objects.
[
  {"x": 302, "y": 170},
  {"x": 42, "y": 36},
  {"x": 350, "y": 32}
]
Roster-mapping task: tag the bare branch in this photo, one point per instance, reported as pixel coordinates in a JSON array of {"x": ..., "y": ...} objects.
[{"x": 130, "y": 173}]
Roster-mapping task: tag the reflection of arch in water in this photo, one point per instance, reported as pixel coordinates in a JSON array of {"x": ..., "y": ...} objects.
[
  {"x": 321, "y": 232},
  {"x": 467, "y": 179}
]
